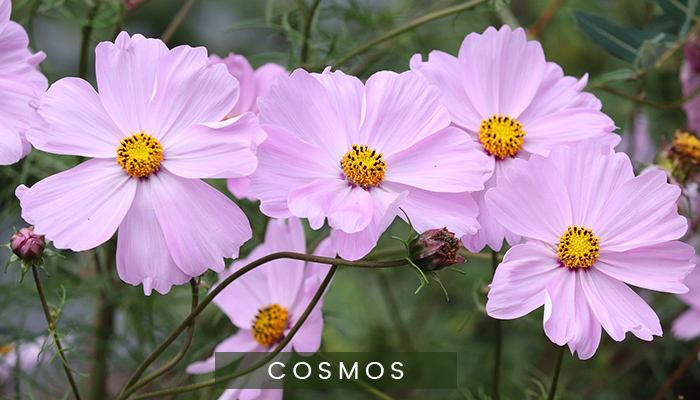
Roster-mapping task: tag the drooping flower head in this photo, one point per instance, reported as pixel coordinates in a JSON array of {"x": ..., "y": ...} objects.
[
  {"x": 594, "y": 227},
  {"x": 20, "y": 82},
  {"x": 513, "y": 103},
  {"x": 355, "y": 153},
  {"x": 253, "y": 84},
  {"x": 153, "y": 131},
  {"x": 267, "y": 302}
]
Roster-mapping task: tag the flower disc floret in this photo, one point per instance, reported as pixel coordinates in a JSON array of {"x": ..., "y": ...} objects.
[
  {"x": 578, "y": 247},
  {"x": 363, "y": 166},
  {"x": 269, "y": 324},
  {"x": 502, "y": 136},
  {"x": 140, "y": 154},
  {"x": 687, "y": 145}
]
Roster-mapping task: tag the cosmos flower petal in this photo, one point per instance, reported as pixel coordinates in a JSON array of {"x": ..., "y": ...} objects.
[
  {"x": 491, "y": 57},
  {"x": 199, "y": 236},
  {"x": 239, "y": 188},
  {"x": 687, "y": 326},
  {"x": 15, "y": 57},
  {"x": 12, "y": 149},
  {"x": 241, "y": 342},
  {"x": 568, "y": 319},
  {"x": 125, "y": 73},
  {"x": 70, "y": 119},
  {"x": 5, "y": 12},
  {"x": 308, "y": 113},
  {"x": 618, "y": 308},
  {"x": 401, "y": 109},
  {"x": 215, "y": 150},
  {"x": 490, "y": 233},
  {"x": 265, "y": 77},
  {"x": 640, "y": 212},
  {"x": 692, "y": 298},
  {"x": 445, "y": 161},
  {"x": 347, "y": 95},
  {"x": 308, "y": 338},
  {"x": 348, "y": 207},
  {"x": 543, "y": 207},
  {"x": 286, "y": 276},
  {"x": 80, "y": 208},
  {"x": 519, "y": 283},
  {"x": 662, "y": 267},
  {"x": 140, "y": 235}
]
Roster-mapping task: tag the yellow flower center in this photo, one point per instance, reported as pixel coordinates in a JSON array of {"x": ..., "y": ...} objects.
[
  {"x": 269, "y": 324},
  {"x": 578, "y": 247},
  {"x": 687, "y": 145},
  {"x": 140, "y": 154},
  {"x": 364, "y": 167},
  {"x": 501, "y": 136},
  {"x": 6, "y": 349}
]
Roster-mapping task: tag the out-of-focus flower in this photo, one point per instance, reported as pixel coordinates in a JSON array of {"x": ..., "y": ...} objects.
[
  {"x": 594, "y": 227},
  {"x": 513, "y": 103},
  {"x": 13, "y": 356},
  {"x": 636, "y": 140},
  {"x": 436, "y": 249},
  {"x": 154, "y": 130},
  {"x": 253, "y": 84},
  {"x": 266, "y": 302},
  {"x": 20, "y": 82},
  {"x": 355, "y": 153},
  {"x": 690, "y": 81},
  {"x": 681, "y": 157},
  {"x": 687, "y": 325},
  {"x": 26, "y": 244}
]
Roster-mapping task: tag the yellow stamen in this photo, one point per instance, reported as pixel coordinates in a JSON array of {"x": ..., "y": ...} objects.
[
  {"x": 501, "y": 136},
  {"x": 6, "y": 349},
  {"x": 578, "y": 247},
  {"x": 140, "y": 154},
  {"x": 687, "y": 145},
  {"x": 269, "y": 324},
  {"x": 363, "y": 166}
]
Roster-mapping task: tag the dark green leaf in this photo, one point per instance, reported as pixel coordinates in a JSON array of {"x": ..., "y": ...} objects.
[{"x": 621, "y": 41}]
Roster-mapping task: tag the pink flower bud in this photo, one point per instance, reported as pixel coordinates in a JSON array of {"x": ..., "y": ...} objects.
[
  {"x": 436, "y": 249},
  {"x": 26, "y": 244}
]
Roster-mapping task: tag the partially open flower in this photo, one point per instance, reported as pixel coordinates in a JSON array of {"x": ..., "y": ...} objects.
[
  {"x": 26, "y": 244},
  {"x": 436, "y": 249}
]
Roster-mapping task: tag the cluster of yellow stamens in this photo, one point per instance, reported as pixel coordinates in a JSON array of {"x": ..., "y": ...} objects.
[
  {"x": 269, "y": 324},
  {"x": 5, "y": 349},
  {"x": 578, "y": 247},
  {"x": 687, "y": 145},
  {"x": 363, "y": 166},
  {"x": 140, "y": 154},
  {"x": 501, "y": 136}
]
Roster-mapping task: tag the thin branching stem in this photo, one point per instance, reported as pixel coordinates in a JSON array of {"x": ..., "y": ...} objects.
[{"x": 175, "y": 23}]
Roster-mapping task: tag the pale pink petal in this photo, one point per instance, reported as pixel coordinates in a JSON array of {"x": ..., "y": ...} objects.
[
  {"x": 285, "y": 276},
  {"x": 126, "y": 71},
  {"x": 687, "y": 326},
  {"x": 5, "y": 12},
  {"x": 642, "y": 211},
  {"x": 200, "y": 224},
  {"x": 519, "y": 283},
  {"x": 142, "y": 253},
  {"x": 662, "y": 267},
  {"x": 241, "y": 342},
  {"x": 316, "y": 272},
  {"x": 285, "y": 163},
  {"x": 11, "y": 148},
  {"x": 401, "y": 109},
  {"x": 446, "y": 161},
  {"x": 17, "y": 93},
  {"x": 308, "y": 338},
  {"x": 80, "y": 208},
  {"x": 531, "y": 200},
  {"x": 239, "y": 188},
  {"x": 347, "y": 207},
  {"x": 265, "y": 77},
  {"x": 223, "y": 149},
  {"x": 70, "y": 119},
  {"x": 692, "y": 298},
  {"x": 189, "y": 89},
  {"x": 239, "y": 67},
  {"x": 301, "y": 104},
  {"x": 347, "y": 95},
  {"x": 15, "y": 57},
  {"x": 568, "y": 317},
  {"x": 498, "y": 64},
  {"x": 618, "y": 308}
]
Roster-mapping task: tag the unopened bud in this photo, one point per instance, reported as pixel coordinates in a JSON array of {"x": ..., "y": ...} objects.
[
  {"x": 436, "y": 249},
  {"x": 26, "y": 244}
]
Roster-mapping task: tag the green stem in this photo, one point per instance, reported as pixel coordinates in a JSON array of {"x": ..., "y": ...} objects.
[
  {"x": 555, "y": 379},
  {"x": 309, "y": 18},
  {"x": 85, "y": 41},
  {"x": 666, "y": 106},
  {"x": 278, "y": 349},
  {"x": 498, "y": 344},
  {"x": 405, "y": 28},
  {"x": 175, "y": 23},
  {"x": 54, "y": 335},
  {"x": 678, "y": 372}
]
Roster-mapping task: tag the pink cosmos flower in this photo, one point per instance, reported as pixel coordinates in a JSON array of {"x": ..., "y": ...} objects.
[
  {"x": 154, "y": 130},
  {"x": 275, "y": 294},
  {"x": 513, "y": 103},
  {"x": 20, "y": 82},
  {"x": 355, "y": 153},
  {"x": 594, "y": 227},
  {"x": 253, "y": 84},
  {"x": 687, "y": 326}
]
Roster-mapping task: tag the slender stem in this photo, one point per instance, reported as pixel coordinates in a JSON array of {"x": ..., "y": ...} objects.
[
  {"x": 309, "y": 19},
  {"x": 555, "y": 378},
  {"x": 85, "y": 41},
  {"x": 536, "y": 30},
  {"x": 54, "y": 335},
  {"x": 498, "y": 344},
  {"x": 262, "y": 362},
  {"x": 674, "y": 104},
  {"x": 484, "y": 256},
  {"x": 132, "y": 387},
  {"x": 223, "y": 284},
  {"x": 405, "y": 28},
  {"x": 678, "y": 372},
  {"x": 175, "y": 23}
]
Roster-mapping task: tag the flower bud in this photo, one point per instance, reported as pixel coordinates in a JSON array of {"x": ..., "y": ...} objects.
[
  {"x": 436, "y": 249},
  {"x": 26, "y": 244}
]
